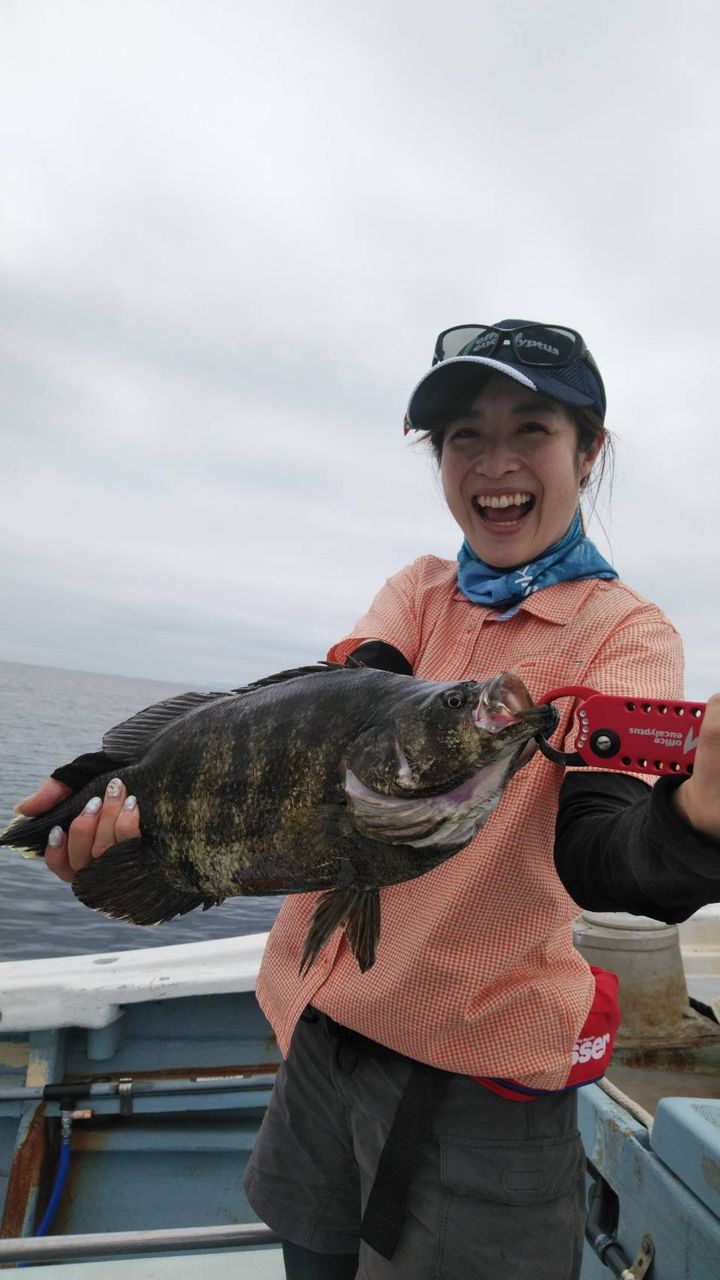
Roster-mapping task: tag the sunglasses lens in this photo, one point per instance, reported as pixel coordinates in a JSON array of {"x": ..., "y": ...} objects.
[
  {"x": 541, "y": 344},
  {"x": 483, "y": 344},
  {"x": 460, "y": 341}
]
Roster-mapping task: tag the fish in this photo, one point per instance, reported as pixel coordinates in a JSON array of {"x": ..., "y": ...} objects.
[{"x": 337, "y": 779}]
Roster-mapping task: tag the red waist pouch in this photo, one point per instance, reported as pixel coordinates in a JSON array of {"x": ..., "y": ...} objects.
[{"x": 592, "y": 1050}]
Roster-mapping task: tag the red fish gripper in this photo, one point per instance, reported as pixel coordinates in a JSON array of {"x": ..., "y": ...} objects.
[{"x": 630, "y": 734}]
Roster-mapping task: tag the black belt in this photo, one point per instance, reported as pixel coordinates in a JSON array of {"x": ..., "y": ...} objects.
[{"x": 386, "y": 1209}]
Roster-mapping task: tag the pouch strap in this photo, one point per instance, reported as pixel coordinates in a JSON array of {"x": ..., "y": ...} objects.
[{"x": 386, "y": 1208}]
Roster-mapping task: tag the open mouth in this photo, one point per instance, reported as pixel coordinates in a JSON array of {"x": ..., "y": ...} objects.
[
  {"x": 508, "y": 509},
  {"x": 506, "y": 709},
  {"x": 505, "y": 704}
]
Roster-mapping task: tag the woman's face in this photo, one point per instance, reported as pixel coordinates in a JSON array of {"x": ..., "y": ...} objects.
[{"x": 511, "y": 472}]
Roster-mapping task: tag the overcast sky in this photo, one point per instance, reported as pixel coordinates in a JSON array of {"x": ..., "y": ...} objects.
[{"x": 229, "y": 233}]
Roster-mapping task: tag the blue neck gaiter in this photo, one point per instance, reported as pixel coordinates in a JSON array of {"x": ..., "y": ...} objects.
[{"x": 574, "y": 556}]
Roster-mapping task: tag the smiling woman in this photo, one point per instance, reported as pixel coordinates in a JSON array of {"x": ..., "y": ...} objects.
[
  {"x": 423, "y": 1124},
  {"x": 478, "y": 975}
]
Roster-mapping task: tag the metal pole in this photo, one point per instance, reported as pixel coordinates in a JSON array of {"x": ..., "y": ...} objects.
[
  {"x": 140, "y": 1088},
  {"x": 130, "y": 1243}
]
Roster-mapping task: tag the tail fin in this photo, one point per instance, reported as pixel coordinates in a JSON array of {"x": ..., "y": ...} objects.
[{"x": 29, "y": 835}]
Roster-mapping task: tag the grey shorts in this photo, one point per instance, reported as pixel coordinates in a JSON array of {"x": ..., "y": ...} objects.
[{"x": 498, "y": 1193}]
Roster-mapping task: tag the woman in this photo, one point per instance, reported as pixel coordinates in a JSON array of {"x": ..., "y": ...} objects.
[{"x": 422, "y": 1124}]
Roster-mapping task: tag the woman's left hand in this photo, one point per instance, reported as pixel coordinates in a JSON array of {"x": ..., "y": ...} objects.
[{"x": 698, "y": 799}]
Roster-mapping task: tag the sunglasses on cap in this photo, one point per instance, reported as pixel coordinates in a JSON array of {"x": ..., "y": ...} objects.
[{"x": 540, "y": 345}]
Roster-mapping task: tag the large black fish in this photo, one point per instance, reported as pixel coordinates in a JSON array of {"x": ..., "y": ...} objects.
[{"x": 340, "y": 779}]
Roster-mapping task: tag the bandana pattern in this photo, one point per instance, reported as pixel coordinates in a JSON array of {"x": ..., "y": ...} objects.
[{"x": 574, "y": 556}]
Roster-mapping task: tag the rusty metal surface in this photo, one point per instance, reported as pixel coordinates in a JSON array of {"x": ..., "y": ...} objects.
[
  {"x": 653, "y": 1004},
  {"x": 690, "y": 1070},
  {"x": 178, "y": 1073},
  {"x": 158, "y": 1133},
  {"x": 686, "y": 1059},
  {"x": 647, "y": 1084},
  {"x": 692, "y": 1031},
  {"x": 14, "y": 1055},
  {"x": 28, "y": 1174}
]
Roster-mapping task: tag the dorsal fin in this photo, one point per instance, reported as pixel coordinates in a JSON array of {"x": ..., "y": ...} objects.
[
  {"x": 131, "y": 739},
  {"x": 352, "y": 661},
  {"x": 281, "y": 676}
]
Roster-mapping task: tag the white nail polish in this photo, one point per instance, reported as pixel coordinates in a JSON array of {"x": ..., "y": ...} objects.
[
  {"x": 113, "y": 788},
  {"x": 55, "y": 838},
  {"x": 93, "y": 805},
  {"x": 130, "y": 803}
]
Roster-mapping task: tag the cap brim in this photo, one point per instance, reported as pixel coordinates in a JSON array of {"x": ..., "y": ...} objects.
[{"x": 430, "y": 396}]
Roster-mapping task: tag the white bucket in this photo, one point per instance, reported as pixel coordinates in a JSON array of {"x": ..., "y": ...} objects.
[{"x": 645, "y": 955}]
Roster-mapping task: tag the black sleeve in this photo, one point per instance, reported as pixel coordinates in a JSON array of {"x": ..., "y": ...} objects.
[
  {"x": 83, "y": 769},
  {"x": 621, "y": 846},
  {"x": 385, "y": 657}
]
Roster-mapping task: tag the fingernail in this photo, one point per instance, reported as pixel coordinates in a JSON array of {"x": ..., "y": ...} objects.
[
  {"x": 130, "y": 803},
  {"x": 55, "y": 838},
  {"x": 19, "y": 807},
  {"x": 93, "y": 805},
  {"x": 113, "y": 788}
]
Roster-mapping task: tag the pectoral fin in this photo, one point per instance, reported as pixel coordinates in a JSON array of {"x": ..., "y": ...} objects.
[
  {"x": 359, "y": 911},
  {"x": 128, "y": 882}
]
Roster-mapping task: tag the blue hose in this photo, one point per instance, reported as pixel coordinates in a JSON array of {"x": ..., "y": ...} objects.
[
  {"x": 58, "y": 1188},
  {"x": 60, "y": 1180}
]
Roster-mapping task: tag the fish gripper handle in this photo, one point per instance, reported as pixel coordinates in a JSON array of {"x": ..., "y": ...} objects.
[{"x": 630, "y": 734}]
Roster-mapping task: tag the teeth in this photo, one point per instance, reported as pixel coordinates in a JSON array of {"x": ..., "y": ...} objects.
[{"x": 506, "y": 500}]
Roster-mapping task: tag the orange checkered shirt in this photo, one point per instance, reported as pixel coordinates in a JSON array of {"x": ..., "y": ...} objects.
[{"x": 476, "y": 969}]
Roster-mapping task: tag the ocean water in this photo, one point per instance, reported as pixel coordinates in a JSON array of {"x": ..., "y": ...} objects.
[{"x": 48, "y": 716}]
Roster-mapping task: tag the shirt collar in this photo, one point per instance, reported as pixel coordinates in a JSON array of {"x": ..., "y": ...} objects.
[{"x": 559, "y": 603}]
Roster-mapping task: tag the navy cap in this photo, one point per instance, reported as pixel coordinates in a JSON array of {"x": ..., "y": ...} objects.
[{"x": 577, "y": 384}]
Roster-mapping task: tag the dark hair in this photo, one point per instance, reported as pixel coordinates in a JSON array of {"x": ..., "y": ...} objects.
[{"x": 588, "y": 425}]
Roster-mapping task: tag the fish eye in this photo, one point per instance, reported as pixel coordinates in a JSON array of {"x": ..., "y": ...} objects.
[{"x": 454, "y": 700}]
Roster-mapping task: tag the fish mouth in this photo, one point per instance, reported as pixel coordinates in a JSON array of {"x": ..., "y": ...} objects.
[{"x": 504, "y": 705}]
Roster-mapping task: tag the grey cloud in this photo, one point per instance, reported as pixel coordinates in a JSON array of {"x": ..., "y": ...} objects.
[{"x": 230, "y": 234}]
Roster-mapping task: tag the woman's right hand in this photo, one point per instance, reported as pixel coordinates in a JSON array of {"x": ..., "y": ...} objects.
[{"x": 104, "y": 821}]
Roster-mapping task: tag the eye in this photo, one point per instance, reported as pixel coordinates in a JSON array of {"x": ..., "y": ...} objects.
[
  {"x": 532, "y": 427},
  {"x": 463, "y": 433},
  {"x": 454, "y": 700}
]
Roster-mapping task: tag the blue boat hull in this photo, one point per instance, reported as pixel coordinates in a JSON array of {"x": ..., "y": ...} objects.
[{"x": 167, "y": 1151}]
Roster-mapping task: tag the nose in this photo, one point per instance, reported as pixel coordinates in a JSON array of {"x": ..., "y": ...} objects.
[{"x": 496, "y": 459}]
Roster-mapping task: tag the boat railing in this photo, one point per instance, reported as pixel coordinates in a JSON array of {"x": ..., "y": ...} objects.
[{"x": 108, "y": 1244}]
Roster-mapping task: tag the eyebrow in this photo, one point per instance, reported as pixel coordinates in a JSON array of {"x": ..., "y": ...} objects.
[
  {"x": 532, "y": 406},
  {"x": 538, "y": 404}
]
